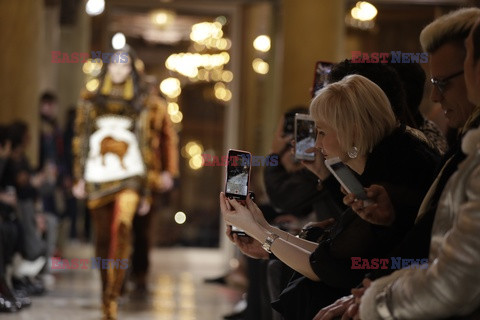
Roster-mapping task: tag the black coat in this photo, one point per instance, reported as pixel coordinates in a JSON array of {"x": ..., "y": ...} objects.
[
  {"x": 296, "y": 193},
  {"x": 405, "y": 166}
]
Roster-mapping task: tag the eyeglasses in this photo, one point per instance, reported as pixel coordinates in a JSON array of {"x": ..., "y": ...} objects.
[{"x": 441, "y": 84}]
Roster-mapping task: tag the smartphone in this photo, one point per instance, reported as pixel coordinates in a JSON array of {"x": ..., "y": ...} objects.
[
  {"x": 322, "y": 69},
  {"x": 347, "y": 179},
  {"x": 304, "y": 133},
  {"x": 238, "y": 178},
  {"x": 289, "y": 123}
]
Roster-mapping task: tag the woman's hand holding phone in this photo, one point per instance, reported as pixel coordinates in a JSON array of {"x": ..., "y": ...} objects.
[
  {"x": 281, "y": 141},
  {"x": 257, "y": 214},
  {"x": 238, "y": 215},
  {"x": 247, "y": 245},
  {"x": 380, "y": 212},
  {"x": 317, "y": 166}
]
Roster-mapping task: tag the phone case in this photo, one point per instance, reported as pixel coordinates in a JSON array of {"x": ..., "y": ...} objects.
[
  {"x": 350, "y": 183},
  {"x": 304, "y": 143},
  {"x": 231, "y": 153}
]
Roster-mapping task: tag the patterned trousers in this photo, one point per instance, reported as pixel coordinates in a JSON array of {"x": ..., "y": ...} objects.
[{"x": 113, "y": 225}]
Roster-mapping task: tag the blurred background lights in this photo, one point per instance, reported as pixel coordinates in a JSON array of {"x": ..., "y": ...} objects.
[
  {"x": 188, "y": 64},
  {"x": 194, "y": 148},
  {"x": 227, "y": 76},
  {"x": 171, "y": 87},
  {"x": 193, "y": 151},
  {"x": 92, "y": 85},
  {"x": 163, "y": 18},
  {"x": 222, "y": 20},
  {"x": 196, "y": 162},
  {"x": 180, "y": 217},
  {"x": 260, "y": 66},
  {"x": 118, "y": 41},
  {"x": 262, "y": 43},
  {"x": 364, "y": 11},
  {"x": 92, "y": 68},
  {"x": 94, "y": 7},
  {"x": 177, "y": 117},
  {"x": 173, "y": 108}
]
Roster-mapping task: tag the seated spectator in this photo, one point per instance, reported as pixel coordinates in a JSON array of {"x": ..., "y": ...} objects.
[
  {"x": 10, "y": 300},
  {"x": 371, "y": 149},
  {"x": 403, "y": 86},
  {"x": 413, "y": 81},
  {"x": 443, "y": 39},
  {"x": 449, "y": 285}
]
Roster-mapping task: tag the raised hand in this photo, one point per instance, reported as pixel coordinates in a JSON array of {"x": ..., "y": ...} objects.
[
  {"x": 381, "y": 212},
  {"x": 247, "y": 245},
  {"x": 236, "y": 214},
  {"x": 317, "y": 166},
  {"x": 336, "y": 309},
  {"x": 280, "y": 142}
]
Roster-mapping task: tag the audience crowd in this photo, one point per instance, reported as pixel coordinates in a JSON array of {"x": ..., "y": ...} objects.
[
  {"x": 315, "y": 251},
  {"x": 410, "y": 252}
]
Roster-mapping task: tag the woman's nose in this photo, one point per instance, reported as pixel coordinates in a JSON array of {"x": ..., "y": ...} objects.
[{"x": 319, "y": 142}]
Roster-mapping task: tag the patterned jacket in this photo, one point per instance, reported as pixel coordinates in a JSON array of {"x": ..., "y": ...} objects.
[{"x": 150, "y": 131}]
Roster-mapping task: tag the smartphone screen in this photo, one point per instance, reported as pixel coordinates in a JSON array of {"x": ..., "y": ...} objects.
[
  {"x": 238, "y": 178},
  {"x": 322, "y": 69},
  {"x": 346, "y": 178},
  {"x": 238, "y": 174},
  {"x": 304, "y": 137}
]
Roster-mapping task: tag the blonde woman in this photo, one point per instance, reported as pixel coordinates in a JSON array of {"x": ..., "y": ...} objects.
[{"x": 355, "y": 122}]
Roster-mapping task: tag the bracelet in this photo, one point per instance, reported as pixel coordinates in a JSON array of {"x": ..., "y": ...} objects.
[
  {"x": 382, "y": 305},
  {"x": 269, "y": 242}
]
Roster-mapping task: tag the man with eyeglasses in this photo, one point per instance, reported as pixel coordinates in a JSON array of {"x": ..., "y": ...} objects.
[{"x": 425, "y": 295}]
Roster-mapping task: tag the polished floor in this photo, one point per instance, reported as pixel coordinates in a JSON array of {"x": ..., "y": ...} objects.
[{"x": 176, "y": 291}]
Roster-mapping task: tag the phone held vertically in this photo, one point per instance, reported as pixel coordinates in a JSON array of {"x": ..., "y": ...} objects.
[
  {"x": 238, "y": 178},
  {"x": 304, "y": 133},
  {"x": 322, "y": 69},
  {"x": 347, "y": 179}
]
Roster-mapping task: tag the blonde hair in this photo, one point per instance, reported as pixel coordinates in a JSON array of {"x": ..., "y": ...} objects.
[
  {"x": 357, "y": 109},
  {"x": 452, "y": 27}
]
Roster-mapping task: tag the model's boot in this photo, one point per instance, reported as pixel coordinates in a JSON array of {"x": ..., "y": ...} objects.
[{"x": 109, "y": 309}]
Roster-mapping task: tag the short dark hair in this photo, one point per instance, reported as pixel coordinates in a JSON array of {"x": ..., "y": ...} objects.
[
  {"x": 48, "y": 96},
  {"x": 16, "y": 133},
  {"x": 413, "y": 79}
]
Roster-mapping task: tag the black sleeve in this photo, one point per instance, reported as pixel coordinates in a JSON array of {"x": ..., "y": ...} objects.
[
  {"x": 333, "y": 186},
  {"x": 3, "y": 162},
  {"x": 291, "y": 192},
  {"x": 332, "y": 260}
]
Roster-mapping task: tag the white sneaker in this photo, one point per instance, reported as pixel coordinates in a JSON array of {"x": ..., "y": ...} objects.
[{"x": 23, "y": 267}]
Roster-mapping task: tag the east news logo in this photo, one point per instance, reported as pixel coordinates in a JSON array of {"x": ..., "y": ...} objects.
[{"x": 396, "y": 57}]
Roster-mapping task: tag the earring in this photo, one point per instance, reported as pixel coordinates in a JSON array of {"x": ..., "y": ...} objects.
[{"x": 353, "y": 152}]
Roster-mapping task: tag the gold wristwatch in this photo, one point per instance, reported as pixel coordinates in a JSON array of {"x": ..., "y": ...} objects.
[{"x": 269, "y": 241}]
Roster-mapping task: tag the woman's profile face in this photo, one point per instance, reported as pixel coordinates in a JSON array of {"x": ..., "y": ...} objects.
[{"x": 327, "y": 141}]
